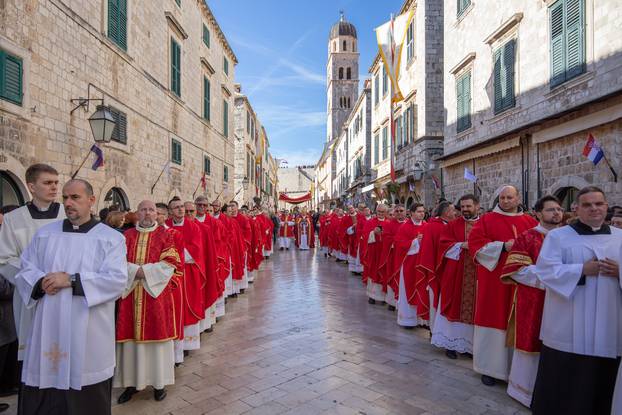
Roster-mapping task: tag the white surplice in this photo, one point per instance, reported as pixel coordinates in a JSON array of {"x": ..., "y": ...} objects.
[
  {"x": 72, "y": 338},
  {"x": 18, "y": 228}
]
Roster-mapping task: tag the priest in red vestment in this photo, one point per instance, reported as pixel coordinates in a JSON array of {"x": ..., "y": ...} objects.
[
  {"x": 431, "y": 255},
  {"x": 373, "y": 242},
  {"x": 334, "y": 241},
  {"x": 255, "y": 255},
  {"x": 387, "y": 257},
  {"x": 216, "y": 211},
  {"x": 526, "y": 318},
  {"x": 344, "y": 237},
  {"x": 237, "y": 247},
  {"x": 453, "y": 324},
  {"x": 305, "y": 236},
  {"x": 286, "y": 230},
  {"x": 324, "y": 223},
  {"x": 145, "y": 325},
  {"x": 356, "y": 232},
  {"x": 245, "y": 229},
  {"x": 195, "y": 272},
  {"x": 402, "y": 277},
  {"x": 267, "y": 229},
  {"x": 489, "y": 243}
]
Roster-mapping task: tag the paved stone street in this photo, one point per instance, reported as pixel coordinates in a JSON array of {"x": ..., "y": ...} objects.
[{"x": 303, "y": 340}]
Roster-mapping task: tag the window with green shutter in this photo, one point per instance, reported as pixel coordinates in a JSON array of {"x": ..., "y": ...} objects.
[
  {"x": 462, "y": 6},
  {"x": 206, "y": 98},
  {"x": 207, "y": 165},
  {"x": 503, "y": 77},
  {"x": 117, "y": 22},
  {"x": 225, "y": 173},
  {"x": 225, "y": 65},
  {"x": 410, "y": 41},
  {"x": 11, "y": 78},
  {"x": 205, "y": 35},
  {"x": 385, "y": 81},
  {"x": 175, "y": 151},
  {"x": 225, "y": 118},
  {"x": 376, "y": 89},
  {"x": 175, "y": 68},
  {"x": 567, "y": 30},
  {"x": 385, "y": 144},
  {"x": 119, "y": 134},
  {"x": 178, "y": 2},
  {"x": 463, "y": 100},
  {"x": 376, "y": 148}
]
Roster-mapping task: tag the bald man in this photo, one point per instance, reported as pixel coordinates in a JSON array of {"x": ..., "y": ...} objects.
[{"x": 489, "y": 242}]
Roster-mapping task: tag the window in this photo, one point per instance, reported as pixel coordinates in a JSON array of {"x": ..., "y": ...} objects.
[
  {"x": 248, "y": 165},
  {"x": 463, "y": 100},
  {"x": 207, "y": 94},
  {"x": 117, "y": 22},
  {"x": 385, "y": 83},
  {"x": 340, "y": 73},
  {"x": 175, "y": 68},
  {"x": 462, "y": 6},
  {"x": 385, "y": 143},
  {"x": 410, "y": 41},
  {"x": 207, "y": 165},
  {"x": 178, "y": 2},
  {"x": 349, "y": 73},
  {"x": 225, "y": 65},
  {"x": 567, "y": 25},
  {"x": 205, "y": 35},
  {"x": 175, "y": 151},
  {"x": 248, "y": 122},
  {"x": 119, "y": 134},
  {"x": 504, "y": 77},
  {"x": 376, "y": 148},
  {"x": 345, "y": 46},
  {"x": 376, "y": 89},
  {"x": 225, "y": 173},
  {"x": 11, "y": 78},
  {"x": 398, "y": 132},
  {"x": 225, "y": 118}
]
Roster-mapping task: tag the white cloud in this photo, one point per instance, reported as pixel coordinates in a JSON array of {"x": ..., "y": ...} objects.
[{"x": 303, "y": 157}]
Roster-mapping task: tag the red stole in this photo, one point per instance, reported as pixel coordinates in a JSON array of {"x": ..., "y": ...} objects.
[
  {"x": 302, "y": 230},
  {"x": 245, "y": 229},
  {"x": 342, "y": 234},
  {"x": 355, "y": 239},
  {"x": 140, "y": 317},
  {"x": 333, "y": 236},
  {"x": 236, "y": 246},
  {"x": 385, "y": 265},
  {"x": 324, "y": 225},
  {"x": 493, "y": 298},
  {"x": 373, "y": 251},
  {"x": 286, "y": 230},
  {"x": 408, "y": 263},
  {"x": 430, "y": 257}
]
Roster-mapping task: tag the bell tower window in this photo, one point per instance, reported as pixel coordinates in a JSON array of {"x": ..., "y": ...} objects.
[
  {"x": 348, "y": 73},
  {"x": 345, "y": 46},
  {"x": 340, "y": 73}
]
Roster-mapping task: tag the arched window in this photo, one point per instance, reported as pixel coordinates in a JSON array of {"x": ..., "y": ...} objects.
[
  {"x": 567, "y": 195},
  {"x": 116, "y": 196},
  {"x": 9, "y": 191},
  {"x": 340, "y": 73},
  {"x": 348, "y": 102},
  {"x": 349, "y": 73},
  {"x": 344, "y": 46}
]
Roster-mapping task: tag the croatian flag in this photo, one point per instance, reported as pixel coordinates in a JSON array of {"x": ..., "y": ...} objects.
[
  {"x": 469, "y": 175},
  {"x": 592, "y": 150},
  {"x": 99, "y": 160}
]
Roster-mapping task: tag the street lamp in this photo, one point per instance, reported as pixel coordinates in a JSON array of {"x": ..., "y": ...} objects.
[{"x": 102, "y": 124}]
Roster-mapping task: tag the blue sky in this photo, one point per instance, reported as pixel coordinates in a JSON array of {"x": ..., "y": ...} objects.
[{"x": 281, "y": 47}]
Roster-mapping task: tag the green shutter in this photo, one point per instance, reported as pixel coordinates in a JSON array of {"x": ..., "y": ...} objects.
[
  {"x": 462, "y": 6},
  {"x": 466, "y": 100},
  {"x": 225, "y": 118},
  {"x": 225, "y": 65},
  {"x": 11, "y": 78},
  {"x": 175, "y": 68},
  {"x": 175, "y": 151},
  {"x": 117, "y": 22},
  {"x": 376, "y": 148},
  {"x": 206, "y": 35},
  {"x": 226, "y": 173},
  {"x": 206, "y": 98},
  {"x": 498, "y": 81},
  {"x": 504, "y": 77},
  {"x": 459, "y": 105},
  {"x": 575, "y": 38},
  {"x": 558, "y": 52}
]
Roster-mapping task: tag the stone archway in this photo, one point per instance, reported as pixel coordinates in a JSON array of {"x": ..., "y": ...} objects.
[
  {"x": 568, "y": 181},
  {"x": 114, "y": 188},
  {"x": 16, "y": 173}
]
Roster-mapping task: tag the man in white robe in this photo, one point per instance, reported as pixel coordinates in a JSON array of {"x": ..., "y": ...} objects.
[
  {"x": 17, "y": 231},
  {"x": 582, "y": 319},
  {"x": 71, "y": 274}
]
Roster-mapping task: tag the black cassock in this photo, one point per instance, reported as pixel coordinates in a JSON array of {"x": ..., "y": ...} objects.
[{"x": 90, "y": 400}]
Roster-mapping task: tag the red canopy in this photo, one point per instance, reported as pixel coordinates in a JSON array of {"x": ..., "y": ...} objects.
[{"x": 295, "y": 200}]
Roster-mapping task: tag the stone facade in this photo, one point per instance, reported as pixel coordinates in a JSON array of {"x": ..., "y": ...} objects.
[
  {"x": 68, "y": 53},
  {"x": 536, "y": 144}
]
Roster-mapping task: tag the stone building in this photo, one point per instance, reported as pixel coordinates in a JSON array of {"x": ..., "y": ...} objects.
[
  {"x": 525, "y": 83},
  {"x": 296, "y": 182},
  {"x": 165, "y": 70}
]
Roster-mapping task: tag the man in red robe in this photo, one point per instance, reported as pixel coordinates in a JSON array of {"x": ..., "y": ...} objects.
[
  {"x": 373, "y": 242},
  {"x": 255, "y": 255},
  {"x": 387, "y": 257},
  {"x": 356, "y": 232},
  {"x": 453, "y": 324},
  {"x": 489, "y": 243},
  {"x": 343, "y": 236},
  {"x": 519, "y": 269},
  {"x": 145, "y": 325},
  {"x": 286, "y": 231},
  {"x": 305, "y": 237},
  {"x": 402, "y": 277},
  {"x": 333, "y": 235},
  {"x": 245, "y": 229},
  {"x": 268, "y": 230},
  {"x": 324, "y": 223},
  {"x": 195, "y": 272},
  {"x": 430, "y": 255},
  {"x": 237, "y": 248}
]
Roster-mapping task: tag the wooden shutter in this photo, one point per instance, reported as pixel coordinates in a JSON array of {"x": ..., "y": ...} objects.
[
  {"x": 206, "y": 98},
  {"x": 575, "y": 38},
  {"x": 558, "y": 48},
  {"x": 117, "y": 22},
  {"x": 509, "y": 55},
  {"x": 119, "y": 133},
  {"x": 11, "y": 81},
  {"x": 206, "y": 35},
  {"x": 225, "y": 118},
  {"x": 175, "y": 68},
  {"x": 122, "y": 21},
  {"x": 459, "y": 105},
  {"x": 466, "y": 100}
]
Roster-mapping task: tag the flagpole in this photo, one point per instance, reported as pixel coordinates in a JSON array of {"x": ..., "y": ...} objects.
[
  {"x": 197, "y": 188},
  {"x": 158, "y": 179},
  {"x": 615, "y": 174},
  {"x": 73, "y": 176}
]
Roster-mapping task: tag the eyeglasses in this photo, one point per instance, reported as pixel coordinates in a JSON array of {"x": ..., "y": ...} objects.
[{"x": 190, "y": 211}]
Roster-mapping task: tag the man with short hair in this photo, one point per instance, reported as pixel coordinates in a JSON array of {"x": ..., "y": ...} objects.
[
  {"x": 372, "y": 240},
  {"x": 519, "y": 269},
  {"x": 286, "y": 231},
  {"x": 190, "y": 209},
  {"x": 145, "y": 357},
  {"x": 356, "y": 232},
  {"x": 71, "y": 274},
  {"x": 245, "y": 229},
  {"x": 387, "y": 258},
  {"x": 581, "y": 329}
]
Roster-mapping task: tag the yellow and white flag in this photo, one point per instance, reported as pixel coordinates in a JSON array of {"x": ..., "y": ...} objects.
[{"x": 391, "y": 37}]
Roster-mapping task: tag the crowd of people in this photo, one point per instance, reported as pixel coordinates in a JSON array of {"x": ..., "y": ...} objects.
[
  {"x": 532, "y": 296},
  {"x": 91, "y": 303}
]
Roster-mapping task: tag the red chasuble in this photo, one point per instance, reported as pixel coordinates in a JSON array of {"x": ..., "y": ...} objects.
[
  {"x": 286, "y": 230},
  {"x": 141, "y": 317},
  {"x": 342, "y": 234},
  {"x": 430, "y": 257},
  {"x": 194, "y": 273},
  {"x": 255, "y": 255},
  {"x": 457, "y": 282},
  {"x": 373, "y": 251},
  {"x": 222, "y": 251},
  {"x": 529, "y": 301},
  {"x": 245, "y": 229},
  {"x": 324, "y": 225},
  {"x": 304, "y": 225},
  {"x": 216, "y": 268},
  {"x": 493, "y": 298},
  {"x": 401, "y": 245},
  {"x": 333, "y": 235},
  {"x": 236, "y": 246},
  {"x": 355, "y": 239},
  {"x": 387, "y": 256},
  {"x": 267, "y": 229},
  {"x": 178, "y": 283}
]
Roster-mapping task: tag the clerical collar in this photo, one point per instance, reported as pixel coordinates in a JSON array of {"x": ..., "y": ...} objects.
[
  {"x": 84, "y": 228},
  {"x": 149, "y": 229},
  {"x": 500, "y": 211},
  {"x": 201, "y": 218},
  {"x": 416, "y": 222},
  {"x": 50, "y": 213},
  {"x": 178, "y": 224},
  {"x": 541, "y": 229},
  {"x": 216, "y": 215},
  {"x": 583, "y": 229}
]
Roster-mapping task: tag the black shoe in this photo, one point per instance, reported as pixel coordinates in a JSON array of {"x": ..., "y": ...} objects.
[
  {"x": 338, "y": 260},
  {"x": 251, "y": 282},
  {"x": 469, "y": 355},
  {"x": 287, "y": 249},
  {"x": 4, "y": 407},
  {"x": 159, "y": 394},
  {"x": 371, "y": 301},
  {"x": 391, "y": 308},
  {"x": 408, "y": 327},
  {"x": 234, "y": 295},
  {"x": 242, "y": 290},
  {"x": 8, "y": 392},
  {"x": 451, "y": 354},
  {"x": 211, "y": 329},
  {"x": 186, "y": 353},
  {"x": 126, "y": 395},
  {"x": 177, "y": 364},
  {"x": 488, "y": 381},
  {"x": 281, "y": 248}
]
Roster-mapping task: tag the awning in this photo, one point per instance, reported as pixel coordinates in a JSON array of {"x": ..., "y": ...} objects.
[
  {"x": 481, "y": 152},
  {"x": 295, "y": 200},
  {"x": 367, "y": 188}
]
